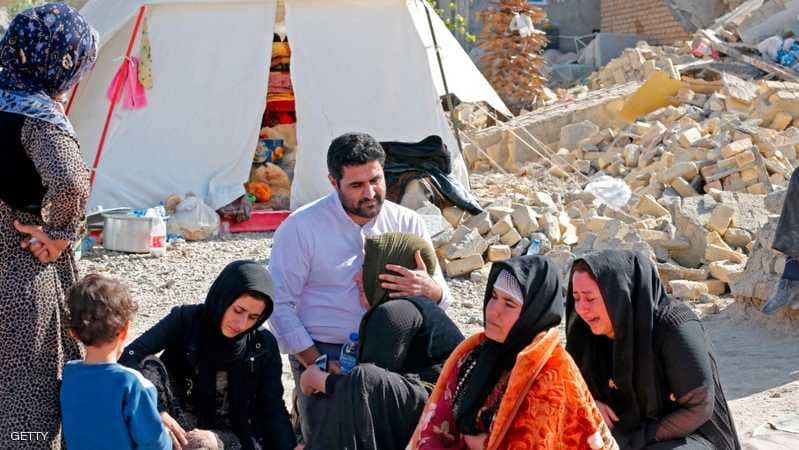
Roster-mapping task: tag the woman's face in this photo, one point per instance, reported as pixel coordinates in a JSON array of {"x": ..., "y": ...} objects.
[
  {"x": 590, "y": 305},
  {"x": 502, "y": 313},
  {"x": 242, "y": 315}
]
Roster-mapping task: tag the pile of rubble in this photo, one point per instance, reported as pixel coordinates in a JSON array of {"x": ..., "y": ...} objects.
[
  {"x": 639, "y": 63},
  {"x": 698, "y": 173}
]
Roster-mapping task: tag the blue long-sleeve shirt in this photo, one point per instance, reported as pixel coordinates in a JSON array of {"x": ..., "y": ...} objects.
[{"x": 108, "y": 406}]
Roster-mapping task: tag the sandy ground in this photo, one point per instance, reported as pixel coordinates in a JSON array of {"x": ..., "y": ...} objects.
[{"x": 759, "y": 365}]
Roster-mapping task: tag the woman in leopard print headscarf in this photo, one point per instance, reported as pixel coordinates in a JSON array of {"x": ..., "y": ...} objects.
[{"x": 43, "y": 192}]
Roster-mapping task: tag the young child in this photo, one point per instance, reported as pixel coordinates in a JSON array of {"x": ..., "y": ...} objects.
[{"x": 105, "y": 405}]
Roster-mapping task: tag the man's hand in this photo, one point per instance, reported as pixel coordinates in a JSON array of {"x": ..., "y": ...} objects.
[
  {"x": 411, "y": 283},
  {"x": 308, "y": 356},
  {"x": 39, "y": 244},
  {"x": 476, "y": 442},
  {"x": 312, "y": 380},
  {"x": 608, "y": 414},
  {"x": 175, "y": 431}
]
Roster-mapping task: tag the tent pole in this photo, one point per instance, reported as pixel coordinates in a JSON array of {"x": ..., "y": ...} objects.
[
  {"x": 444, "y": 79},
  {"x": 113, "y": 104}
]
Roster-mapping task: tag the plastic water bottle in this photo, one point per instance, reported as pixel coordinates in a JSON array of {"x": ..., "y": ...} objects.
[
  {"x": 349, "y": 354},
  {"x": 158, "y": 236},
  {"x": 534, "y": 248}
]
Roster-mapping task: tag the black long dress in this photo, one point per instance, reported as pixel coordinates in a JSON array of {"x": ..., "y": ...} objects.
[
  {"x": 658, "y": 373},
  {"x": 377, "y": 406}
]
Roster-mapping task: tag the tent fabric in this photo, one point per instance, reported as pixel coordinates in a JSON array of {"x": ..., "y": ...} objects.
[
  {"x": 463, "y": 77},
  {"x": 200, "y": 129},
  {"x": 358, "y": 82}
]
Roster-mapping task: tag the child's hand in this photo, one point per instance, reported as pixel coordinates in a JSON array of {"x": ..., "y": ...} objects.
[{"x": 175, "y": 431}]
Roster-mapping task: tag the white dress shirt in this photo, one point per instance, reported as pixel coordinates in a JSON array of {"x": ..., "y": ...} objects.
[{"x": 317, "y": 252}]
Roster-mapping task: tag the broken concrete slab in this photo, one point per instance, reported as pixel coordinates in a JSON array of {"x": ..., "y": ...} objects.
[{"x": 571, "y": 135}]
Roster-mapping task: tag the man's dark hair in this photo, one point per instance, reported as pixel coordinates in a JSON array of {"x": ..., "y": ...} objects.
[
  {"x": 98, "y": 309},
  {"x": 352, "y": 149}
]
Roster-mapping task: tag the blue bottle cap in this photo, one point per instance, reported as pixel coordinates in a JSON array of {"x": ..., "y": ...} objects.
[{"x": 354, "y": 337}]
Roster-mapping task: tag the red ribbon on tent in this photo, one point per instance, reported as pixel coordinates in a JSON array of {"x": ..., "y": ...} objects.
[{"x": 126, "y": 84}]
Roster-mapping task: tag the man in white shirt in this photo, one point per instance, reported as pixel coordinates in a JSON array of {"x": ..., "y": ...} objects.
[{"x": 318, "y": 251}]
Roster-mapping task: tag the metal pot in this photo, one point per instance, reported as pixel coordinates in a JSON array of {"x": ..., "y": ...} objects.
[{"x": 126, "y": 233}]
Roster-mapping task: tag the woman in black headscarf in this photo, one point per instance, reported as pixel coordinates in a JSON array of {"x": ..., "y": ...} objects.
[
  {"x": 514, "y": 386},
  {"x": 44, "y": 186},
  {"x": 403, "y": 343},
  {"x": 645, "y": 357},
  {"x": 219, "y": 369}
]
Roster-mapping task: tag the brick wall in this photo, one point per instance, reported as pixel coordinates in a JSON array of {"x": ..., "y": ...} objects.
[{"x": 650, "y": 18}]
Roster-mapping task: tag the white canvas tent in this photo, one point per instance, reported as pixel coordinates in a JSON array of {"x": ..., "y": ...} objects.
[{"x": 357, "y": 65}]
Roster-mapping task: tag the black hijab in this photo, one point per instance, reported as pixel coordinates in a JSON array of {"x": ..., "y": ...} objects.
[
  {"x": 237, "y": 279},
  {"x": 219, "y": 353},
  {"x": 634, "y": 297},
  {"x": 542, "y": 310}
]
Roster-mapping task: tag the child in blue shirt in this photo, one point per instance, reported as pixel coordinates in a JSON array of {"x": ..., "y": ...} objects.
[{"x": 105, "y": 405}]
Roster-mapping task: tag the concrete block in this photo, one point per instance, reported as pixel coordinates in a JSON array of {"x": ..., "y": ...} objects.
[
  {"x": 498, "y": 212},
  {"x": 683, "y": 187},
  {"x": 463, "y": 266},
  {"x": 502, "y": 226},
  {"x": 686, "y": 170},
  {"x": 649, "y": 206},
  {"x": 511, "y": 238},
  {"x": 454, "y": 215},
  {"x": 481, "y": 223},
  {"x": 723, "y": 270},
  {"x": 499, "y": 253},
  {"x": 757, "y": 189},
  {"x": 715, "y": 253},
  {"x": 744, "y": 159},
  {"x": 551, "y": 227},
  {"x": 781, "y": 121},
  {"x": 715, "y": 287},
  {"x": 721, "y": 218},
  {"x": 688, "y": 290},
  {"x": 471, "y": 243},
  {"x": 733, "y": 148},
  {"x": 571, "y": 135},
  {"x": 525, "y": 220},
  {"x": 690, "y": 137},
  {"x": 542, "y": 199}
]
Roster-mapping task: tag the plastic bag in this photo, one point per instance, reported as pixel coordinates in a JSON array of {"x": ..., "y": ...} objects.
[
  {"x": 770, "y": 47},
  {"x": 195, "y": 220},
  {"x": 611, "y": 191},
  {"x": 523, "y": 24}
]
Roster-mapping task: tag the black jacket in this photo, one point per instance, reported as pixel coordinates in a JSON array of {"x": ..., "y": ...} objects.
[{"x": 257, "y": 412}]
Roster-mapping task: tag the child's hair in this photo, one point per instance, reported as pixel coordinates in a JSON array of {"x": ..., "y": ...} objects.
[{"x": 98, "y": 309}]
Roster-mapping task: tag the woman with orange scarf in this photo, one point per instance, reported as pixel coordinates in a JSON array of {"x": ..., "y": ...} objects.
[{"x": 514, "y": 386}]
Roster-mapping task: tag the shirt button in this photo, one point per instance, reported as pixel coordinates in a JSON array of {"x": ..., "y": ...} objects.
[{"x": 130, "y": 352}]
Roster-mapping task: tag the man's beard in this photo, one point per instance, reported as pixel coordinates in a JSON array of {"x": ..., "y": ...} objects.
[{"x": 359, "y": 210}]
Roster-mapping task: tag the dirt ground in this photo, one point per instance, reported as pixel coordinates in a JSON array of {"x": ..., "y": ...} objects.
[{"x": 759, "y": 365}]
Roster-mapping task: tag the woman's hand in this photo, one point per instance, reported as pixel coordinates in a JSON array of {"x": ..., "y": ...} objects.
[
  {"x": 476, "y": 442},
  {"x": 175, "y": 431},
  {"x": 313, "y": 380},
  {"x": 39, "y": 244},
  {"x": 608, "y": 414}
]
